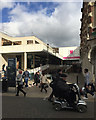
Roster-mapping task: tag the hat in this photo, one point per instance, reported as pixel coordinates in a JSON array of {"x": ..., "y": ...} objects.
[
  {"x": 20, "y": 72},
  {"x": 63, "y": 75}
]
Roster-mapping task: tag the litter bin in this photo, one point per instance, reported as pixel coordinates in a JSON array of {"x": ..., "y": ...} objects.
[{"x": 4, "y": 84}]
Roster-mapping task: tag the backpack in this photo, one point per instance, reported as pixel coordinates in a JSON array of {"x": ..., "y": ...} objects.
[{"x": 19, "y": 79}]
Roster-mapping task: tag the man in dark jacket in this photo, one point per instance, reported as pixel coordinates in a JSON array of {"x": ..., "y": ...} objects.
[
  {"x": 63, "y": 90},
  {"x": 36, "y": 78},
  {"x": 26, "y": 77}
]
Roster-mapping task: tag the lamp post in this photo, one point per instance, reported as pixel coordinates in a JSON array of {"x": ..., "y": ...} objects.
[{"x": 47, "y": 54}]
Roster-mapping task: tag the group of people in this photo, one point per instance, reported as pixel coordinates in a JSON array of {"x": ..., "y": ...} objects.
[
  {"x": 59, "y": 84},
  {"x": 39, "y": 80},
  {"x": 61, "y": 88}
]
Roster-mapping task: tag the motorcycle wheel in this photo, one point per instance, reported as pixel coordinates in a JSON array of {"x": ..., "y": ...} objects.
[
  {"x": 57, "y": 107},
  {"x": 81, "y": 108}
]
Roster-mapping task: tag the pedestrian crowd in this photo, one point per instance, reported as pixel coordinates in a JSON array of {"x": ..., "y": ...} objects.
[{"x": 58, "y": 84}]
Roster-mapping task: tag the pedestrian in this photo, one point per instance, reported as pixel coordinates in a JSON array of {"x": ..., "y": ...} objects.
[
  {"x": 36, "y": 78},
  {"x": 53, "y": 83},
  {"x": 44, "y": 82},
  {"x": 26, "y": 77},
  {"x": 87, "y": 84},
  {"x": 3, "y": 67},
  {"x": 20, "y": 84}
]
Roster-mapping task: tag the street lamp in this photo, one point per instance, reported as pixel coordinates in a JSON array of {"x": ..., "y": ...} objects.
[{"x": 47, "y": 54}]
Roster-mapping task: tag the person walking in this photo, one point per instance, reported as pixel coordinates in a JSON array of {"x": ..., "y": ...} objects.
[
  {"x": 26, "y": 77},
  {"x": 36, "y": 78},
  {"x": 53, "y": 83},
  {"x": 44, "y": 82},
  {"x": 20, "y": 84},
  {"x": 87, "y": 84}
]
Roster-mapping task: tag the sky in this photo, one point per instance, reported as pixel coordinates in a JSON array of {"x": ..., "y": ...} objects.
[{"x": 55, "y": 23}]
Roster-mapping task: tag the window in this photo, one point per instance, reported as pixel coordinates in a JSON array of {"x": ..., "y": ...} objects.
[
  {"x": 17, "y": 43},
  {"x": 29, "y": 41},
  {"x": 6, "y": 42},
  {"x": 36, "y": 42}
]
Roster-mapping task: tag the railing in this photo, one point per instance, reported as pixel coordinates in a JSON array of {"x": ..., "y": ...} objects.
[
  {"x": 41, "y": 68},
  {"x": 45, "y": 67}
]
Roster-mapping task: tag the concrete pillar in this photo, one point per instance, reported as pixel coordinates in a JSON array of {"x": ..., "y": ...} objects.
[
  {"x": 33, "y": 41},
  {"x": 22, "y": 61},
  {"x": 0, "y": 41},
  {"x": 33, "y": 60},
  {"x": 0, "y": 62},
  {"x": 25, "y": 60}
]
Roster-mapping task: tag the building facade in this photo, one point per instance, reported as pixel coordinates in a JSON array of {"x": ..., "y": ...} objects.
[
  {"x": 70, "y": 55},
  {"x": 88, "y": 38},
  {"x": 30, "y": 52}
]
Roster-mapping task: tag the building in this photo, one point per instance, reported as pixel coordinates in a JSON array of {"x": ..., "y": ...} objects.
[
  {"x": 70, "y": 54},
  {"x": 88, "y": 37},
  {"x": 30, "y": 52}
]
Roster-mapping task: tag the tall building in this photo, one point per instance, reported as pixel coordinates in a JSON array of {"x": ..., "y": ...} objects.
[{"x": 88, "y": 37}]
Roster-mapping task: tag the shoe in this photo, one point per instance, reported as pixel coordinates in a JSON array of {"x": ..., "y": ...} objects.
[
  {"x": 50, "y": 100},
  {"x": 85, "y": 98},
  {"x": 46, "y": 91},
  {"x": 17, "y": 95},
  {"x": 24, "y": 94},
  {"x": 41, "y": 90}
]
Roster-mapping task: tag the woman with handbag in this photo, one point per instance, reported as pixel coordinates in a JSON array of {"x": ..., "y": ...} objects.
[
  {"x": 20, "y": 84},
  {"x": 44, "y": 82}
]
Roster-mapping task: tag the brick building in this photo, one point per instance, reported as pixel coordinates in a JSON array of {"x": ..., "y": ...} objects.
[{"x": 88, "y": 37}]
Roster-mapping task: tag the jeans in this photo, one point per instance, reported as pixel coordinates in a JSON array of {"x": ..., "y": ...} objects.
[{"x": 26, "y": 82}]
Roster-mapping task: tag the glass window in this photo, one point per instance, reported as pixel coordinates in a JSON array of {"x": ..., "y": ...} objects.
[
  {"x": 36, "y": 42},
  {"x": 29, "y": 41},
  {"x": 17, "y": 43},
  {"x": 6, "y": 42}
]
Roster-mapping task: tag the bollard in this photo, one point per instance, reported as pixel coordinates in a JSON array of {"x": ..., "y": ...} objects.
[{"x": 77, "y": 79}]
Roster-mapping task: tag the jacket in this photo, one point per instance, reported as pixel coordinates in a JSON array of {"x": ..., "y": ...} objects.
[
  {"x": 62, "y": 86},
  {"x": 19, "y": 79}
]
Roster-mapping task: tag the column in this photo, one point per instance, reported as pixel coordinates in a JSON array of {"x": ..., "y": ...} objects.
[
  {"x": 0, "y": 62},
  {"x": 25, "y": 60},
  {"x": 0, "y": 41},
  {"x": 33, "y": 60},
  {"x": 22, "y": 61}
]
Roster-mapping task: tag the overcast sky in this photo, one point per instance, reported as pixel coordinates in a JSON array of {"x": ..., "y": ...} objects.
[{"x": 56, "y": 23}]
